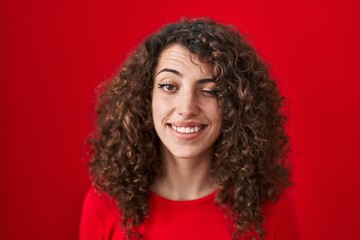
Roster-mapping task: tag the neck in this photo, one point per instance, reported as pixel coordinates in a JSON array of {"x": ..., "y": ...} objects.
[{"x": 184, "y": 178}]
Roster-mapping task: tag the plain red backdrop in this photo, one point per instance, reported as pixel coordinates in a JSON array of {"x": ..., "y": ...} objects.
[{"x": 54, "y": 53}]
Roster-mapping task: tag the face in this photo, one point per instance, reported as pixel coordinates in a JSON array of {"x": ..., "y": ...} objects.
[{"x": 184, "y": 105}]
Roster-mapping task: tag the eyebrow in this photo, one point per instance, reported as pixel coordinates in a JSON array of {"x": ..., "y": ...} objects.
[{"x": 177, "y": 73}]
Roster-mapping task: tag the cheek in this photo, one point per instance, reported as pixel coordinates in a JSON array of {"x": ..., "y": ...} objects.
[
  {"x": 218, "y": 121},
  {"x": 161, "y": 105},
  {"x": 158, "y": 110},
  {"x": 214, "y": 112},
  {"x": 219, "y": 116},
  {"x": 154, "y": 110}
]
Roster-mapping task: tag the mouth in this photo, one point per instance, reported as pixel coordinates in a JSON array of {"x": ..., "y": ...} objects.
[{"x": 187, "y": 129}]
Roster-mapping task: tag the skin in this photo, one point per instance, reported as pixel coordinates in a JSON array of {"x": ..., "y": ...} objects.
[{"x": 188, "y": 122}]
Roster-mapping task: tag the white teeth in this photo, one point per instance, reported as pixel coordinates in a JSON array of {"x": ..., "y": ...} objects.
[{"x": 186, "y": 130}]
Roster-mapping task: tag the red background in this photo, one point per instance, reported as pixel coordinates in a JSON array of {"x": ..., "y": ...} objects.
[{"x": 53, "y": 54}]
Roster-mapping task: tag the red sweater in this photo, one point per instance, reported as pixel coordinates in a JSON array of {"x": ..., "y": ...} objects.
[{"x": 178, "y": 220}]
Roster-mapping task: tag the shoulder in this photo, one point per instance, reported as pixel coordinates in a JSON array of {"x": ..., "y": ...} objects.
[
  {"x": 280, "y": 219},
  {"x": 99, "y": 217}
]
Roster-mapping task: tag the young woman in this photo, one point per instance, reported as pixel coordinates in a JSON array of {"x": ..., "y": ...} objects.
[{"x": 190, "y": 143}]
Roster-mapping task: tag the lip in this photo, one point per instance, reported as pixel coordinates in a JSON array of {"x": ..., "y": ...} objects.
[{"x": 186, "y": 136}]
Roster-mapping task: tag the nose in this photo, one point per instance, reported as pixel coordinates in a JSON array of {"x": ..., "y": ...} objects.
[{"x": 187, "y": 104}]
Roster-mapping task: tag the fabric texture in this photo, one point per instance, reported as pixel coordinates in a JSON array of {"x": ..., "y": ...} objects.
[{"x": 198, "y": 219}]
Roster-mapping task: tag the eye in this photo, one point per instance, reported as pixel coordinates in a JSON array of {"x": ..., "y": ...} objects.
[
  {"x": 167, "y": 87},
  {"x": 212, "y": 93}
]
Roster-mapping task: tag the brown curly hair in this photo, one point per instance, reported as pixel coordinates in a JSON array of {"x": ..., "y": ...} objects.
[{"x": 250, "y": 163}]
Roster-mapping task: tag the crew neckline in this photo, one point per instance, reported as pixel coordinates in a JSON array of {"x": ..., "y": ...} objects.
[{"x": 157, "y": 198}]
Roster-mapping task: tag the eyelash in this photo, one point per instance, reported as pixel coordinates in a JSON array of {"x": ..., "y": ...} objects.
[
  {"x": 165, "y": 86},
  {"x": 211, "y": 92}
]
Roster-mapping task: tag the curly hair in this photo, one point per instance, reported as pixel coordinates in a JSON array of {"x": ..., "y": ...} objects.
[{"x": 250, "y": 163}]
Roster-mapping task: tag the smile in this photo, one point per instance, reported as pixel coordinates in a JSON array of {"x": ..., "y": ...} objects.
[{"x": 186, "y": 130}]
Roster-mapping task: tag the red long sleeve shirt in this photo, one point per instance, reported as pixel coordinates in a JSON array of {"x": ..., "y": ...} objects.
[{"x": 198, "y": 219}]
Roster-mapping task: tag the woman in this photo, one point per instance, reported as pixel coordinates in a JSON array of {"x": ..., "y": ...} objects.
[{"x": 190, "y": 143}]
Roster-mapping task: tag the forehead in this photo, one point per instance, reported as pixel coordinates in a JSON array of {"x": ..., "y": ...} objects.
[{"x": 179, "y": 58}]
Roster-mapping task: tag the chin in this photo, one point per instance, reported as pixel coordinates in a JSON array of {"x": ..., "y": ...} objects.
[{"x": 190, "y": 152}]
